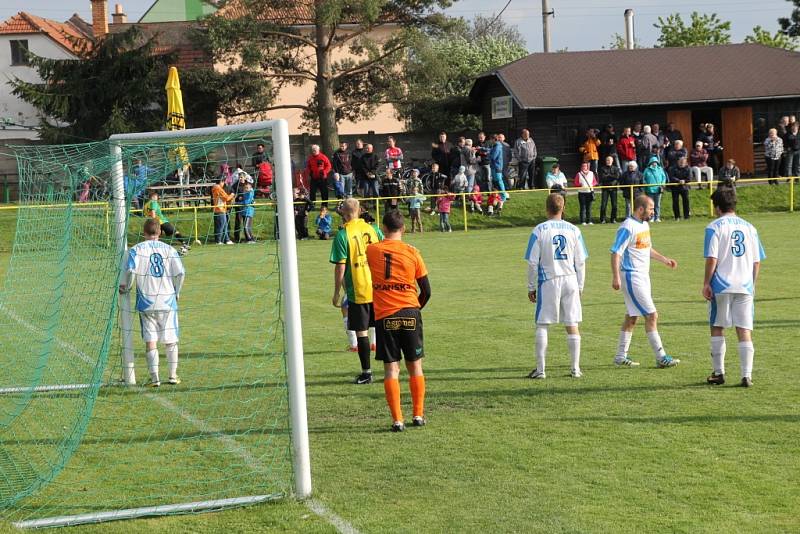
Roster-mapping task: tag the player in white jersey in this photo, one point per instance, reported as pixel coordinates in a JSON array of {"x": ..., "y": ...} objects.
[
  {"x": 556, "y": 256},
  {"x": 630, "y": 269},
  {"x": 733, "y": 255},
  {"x": 158, "y": 273}
]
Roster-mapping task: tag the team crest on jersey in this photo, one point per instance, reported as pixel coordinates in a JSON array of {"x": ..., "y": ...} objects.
[{"x": 643, "y": 240}]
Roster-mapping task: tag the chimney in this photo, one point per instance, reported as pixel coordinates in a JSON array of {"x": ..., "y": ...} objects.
[
  {"x": 629, "y": 38},
  {"x": 99, "y": 18},
  {"x": 118, "y": 17}
]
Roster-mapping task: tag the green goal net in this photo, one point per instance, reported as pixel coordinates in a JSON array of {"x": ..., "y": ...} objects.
[{"x": 79, "y": 444}]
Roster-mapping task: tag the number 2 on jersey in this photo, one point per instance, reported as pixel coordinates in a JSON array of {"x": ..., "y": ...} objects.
[
  {"x": 560, "y": 243},
  {"x": 738, "y": 248}
]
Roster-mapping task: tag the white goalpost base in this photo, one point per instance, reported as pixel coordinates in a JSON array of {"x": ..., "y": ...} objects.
[{"x": 134, "y": 513}]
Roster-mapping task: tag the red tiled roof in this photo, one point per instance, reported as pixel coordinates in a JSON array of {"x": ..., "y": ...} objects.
[
  {"x": 610, "y": 78},
  {"x": 68, "y": 35}
]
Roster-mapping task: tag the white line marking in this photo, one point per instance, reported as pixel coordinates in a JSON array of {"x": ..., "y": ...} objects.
[{"x": 341, "y": 525}]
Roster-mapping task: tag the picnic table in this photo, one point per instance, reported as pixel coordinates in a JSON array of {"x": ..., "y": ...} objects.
[{"x": 176, "y": 193}]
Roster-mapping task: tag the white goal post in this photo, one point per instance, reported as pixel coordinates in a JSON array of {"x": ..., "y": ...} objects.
[{"x": 288, "y": 264}]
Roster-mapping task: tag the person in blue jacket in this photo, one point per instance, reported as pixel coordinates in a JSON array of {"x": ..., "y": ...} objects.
[
  {"x": 248, "y": 211},
  {"x": 654, "y": 179},
  {"x": 324, "y": 223},
  {"x": 496, "y": 165}
]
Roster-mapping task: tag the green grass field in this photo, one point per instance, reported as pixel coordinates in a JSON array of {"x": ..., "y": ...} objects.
[{"x": 619, "y": 450}]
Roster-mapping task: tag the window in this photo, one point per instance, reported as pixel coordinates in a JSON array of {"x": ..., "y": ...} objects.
[{"x": 19, "y": 52}]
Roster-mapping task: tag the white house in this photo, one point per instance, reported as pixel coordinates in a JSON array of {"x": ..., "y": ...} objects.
[{"x": 19, "y": 35}]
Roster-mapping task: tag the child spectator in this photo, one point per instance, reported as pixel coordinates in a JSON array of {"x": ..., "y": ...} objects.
[
  {"x": 414, "y": 205},
  {"x": 494, "y": 204},
  {"x": 443, "y": 203},
  {"x": 152, "y": 210},
  {"x": 414, "y": 182},
  {"x": 324, "y": 224},
  {"x": 391, "y": 189},
  {"x": 302, "y": 205},
  {"x": 730, "y": 171},
  {"x": 227, "y": 175},
  {"x": 248, "y": 211},
  {"x": 586, "y": 181},
  {"x": 476, "y": 199},
  {"x": 459, "y": 182},
  {"x": 220, "y": 199}
]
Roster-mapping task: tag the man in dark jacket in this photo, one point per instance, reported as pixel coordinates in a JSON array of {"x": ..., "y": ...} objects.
[
  {"x": 675, "y": 152},
  {"x": 608, "y": 175},
  {"x": 482, "y": 152},
  {"x": 442, "y": 152},
  {"x": 672, "y": 134},
  {"x": 343, "y": 167},
  {"x": 357, "y": 163},
  {"x": 680, "y": 176},
  {"x": 791, "y": 151},
  {"x": 460, "y": 157},
  {"x": 608, "y": 144},
  {"x": 629, "y": 181},
  {"x": 370, "y": 161}
]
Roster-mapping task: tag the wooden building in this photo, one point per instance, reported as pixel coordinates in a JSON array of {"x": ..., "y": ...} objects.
[{"x": 742, "y": 89}]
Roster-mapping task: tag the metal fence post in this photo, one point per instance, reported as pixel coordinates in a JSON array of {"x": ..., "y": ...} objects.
[
  {"x": 791, "y": 194},
  {"x": 464, "y": 210}
]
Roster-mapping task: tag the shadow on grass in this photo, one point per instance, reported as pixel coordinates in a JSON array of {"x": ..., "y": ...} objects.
[{"x": 680, "y": 419}]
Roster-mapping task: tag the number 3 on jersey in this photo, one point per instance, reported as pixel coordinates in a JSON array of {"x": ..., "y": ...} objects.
[
  {"x": 560, "y": 243},
  {"x": 738, "y": 248}
]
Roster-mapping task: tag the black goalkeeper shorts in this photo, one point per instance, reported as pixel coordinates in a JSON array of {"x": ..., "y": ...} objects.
[
  {"x": 400, "y": 335},
  {"x": 360, "y": 316}
]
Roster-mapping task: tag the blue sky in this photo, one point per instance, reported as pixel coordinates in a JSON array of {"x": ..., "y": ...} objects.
[{"x": 578, "y": 24}]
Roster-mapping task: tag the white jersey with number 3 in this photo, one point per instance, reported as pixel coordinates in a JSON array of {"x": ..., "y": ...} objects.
[
  {"x": 735, "y": 244},
  {"x": 158, "y": 273},
  {"x": 555, "y": 249}
]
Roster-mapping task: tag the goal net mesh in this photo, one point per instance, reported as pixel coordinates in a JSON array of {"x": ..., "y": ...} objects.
[{"x": 72, "y": 440}]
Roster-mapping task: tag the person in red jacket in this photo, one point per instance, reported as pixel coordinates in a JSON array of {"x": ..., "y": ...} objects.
[
  {"x": 318, "y": 168},
  {"x": 626, "y": 148}
]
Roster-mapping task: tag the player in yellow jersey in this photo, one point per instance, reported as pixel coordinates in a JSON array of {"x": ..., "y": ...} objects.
[
  {"x": 349, "y": 256},
  {"x": 397, "y": 270}
]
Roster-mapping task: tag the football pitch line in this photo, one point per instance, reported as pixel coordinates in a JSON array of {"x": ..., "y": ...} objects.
[{"x": 316, "y": 506}]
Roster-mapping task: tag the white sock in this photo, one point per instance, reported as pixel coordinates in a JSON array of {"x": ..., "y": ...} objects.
[
  {"x": 541, "y": 347},
  {"x": 655, "y": 344},
  {"x": 371, "y": 335},
  {"x": 152, "y": 364},
  {"x": 351, "y": 338},
  {"x": 172, "y": 359},
  {"x": 624, "y": 344},
  {"x": 574, "y": 347},
  {"x": 718, "y": 354},
  {"x": 746, "y": 353}
]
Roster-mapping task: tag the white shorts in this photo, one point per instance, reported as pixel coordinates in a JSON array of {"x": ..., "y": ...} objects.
[
  {"x": 731, "y": 309},
  {"x": 161, "y": 326},
  {"x": 637, "y": 294},
  {"x": 559, "y": 301}
]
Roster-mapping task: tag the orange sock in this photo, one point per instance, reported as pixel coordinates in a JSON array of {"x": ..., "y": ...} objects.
[
  {"x": 391, "y": 386},
  {"x": 417, "y": 386}
]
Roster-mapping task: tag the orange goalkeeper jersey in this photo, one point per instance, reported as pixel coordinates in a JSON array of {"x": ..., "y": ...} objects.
[{"x": 395, "y": 268}]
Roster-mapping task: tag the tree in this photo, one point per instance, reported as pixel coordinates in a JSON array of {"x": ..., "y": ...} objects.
[
  {"x": 114, "y": 86},
  {"x": 441, "y": 69},
  {"x": 791, "y": 25},
  {"x": 703, "y": 30},
  {"x": 349, "y": 85},
  {"x": 776, "y": 40},
  {"x": 618, "y": 43}
]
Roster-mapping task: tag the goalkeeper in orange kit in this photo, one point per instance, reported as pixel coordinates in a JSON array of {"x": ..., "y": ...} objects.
[{"x": 397, "y": 269}]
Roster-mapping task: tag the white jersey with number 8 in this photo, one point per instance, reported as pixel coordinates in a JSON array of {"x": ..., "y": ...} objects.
[{"x": 158, "y": 273}]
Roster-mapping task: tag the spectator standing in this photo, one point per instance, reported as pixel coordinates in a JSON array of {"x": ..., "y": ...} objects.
[
  {"x": 459, "y": 181},
  {"x": 675, "y": 152},
  {"x": 730, "y": 172},
  {"x": 712, "y": 145},
  {"x": 641, "y": 153},
  {"x": 672, "y": 134},
  {"x": 443, "y": 203},
  {"x": 608, "y": 144},
  {"x": 343, "y": 167},
  {"x": 220, "y": 199},
  {"x": 264, "y": 178},
  {"x": 241, "y": 179},
  {"x": 482, "y": 152},
  {"x": 508, "y": 154},
  {"x": 318, "y": 168},
  {"x": 698, "y": 160},
  {"x": 461, "y": 156},
  {"x": 608, "y": 176},
  {"x": 391, "y": 189},
  {"x": 442, "y": 152},
  {"x": 414, "y": 207},
  {"x": 357, "y": 164},
  {"x": 626, "y": 148},
  {"x": 370, "y": 187},
  {"x": 496, "y": 162},
  {"x": 630, "y": 181},
  {"x": 258, "y": 157},
  {"x": 393, "y": 155},
  {"x": 555, "y": 180},
  {"x": 661, "y": 137},
  {"x": 773, "y": 150},
  {"x": 791, "y": 151},
  {"x": 650, "y": 144},
  {"x": 248, "y": 212},
  {"x": 586, "y": 181},
  {"x": 414, "y": 182},
  {"x": 302, "y": 205},
  {"x": 589, "y": 149},
  {"x": 654, "y": 179},
  {"x": 472, "y": 167},
  {"x": 525, "y": 152},
  {"x": 680, "y": 177}
]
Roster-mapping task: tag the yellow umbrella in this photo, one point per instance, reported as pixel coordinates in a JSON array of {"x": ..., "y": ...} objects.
[{"x": 175, "y": 117}]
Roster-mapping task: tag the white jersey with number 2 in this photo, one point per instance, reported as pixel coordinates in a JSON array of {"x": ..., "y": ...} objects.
[
  {"x": 735, "y": 244},
  {"x": 555, "y": 249},
  {"x": 158, "y": 273}
]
